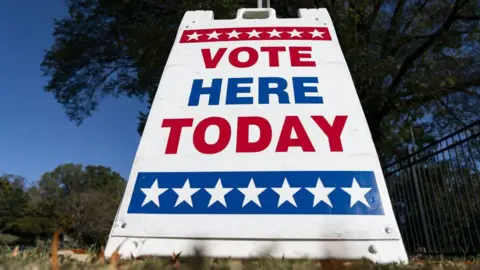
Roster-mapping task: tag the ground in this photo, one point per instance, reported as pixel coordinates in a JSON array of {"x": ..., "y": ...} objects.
[
  {"x": 50, "y": 257},
  {"x": 38, "y": 259}
]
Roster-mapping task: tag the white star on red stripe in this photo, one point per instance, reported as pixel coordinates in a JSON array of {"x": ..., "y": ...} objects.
[
  {"x": 295, "y": 33},
  {"x": 233, "y": 34},
  {"x": 254, "y": 33},
  {"x": 194, "y": 36},
  {"x": 214, "y": 35},
  {"x": 274, "y": 33},
  {"x": 314, "y": 33}
]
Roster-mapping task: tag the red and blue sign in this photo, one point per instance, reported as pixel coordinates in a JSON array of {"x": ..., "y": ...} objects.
[
  {"x": 254, "y": 192},
  {"x": 256, "y": 140},
  {"x": 265, "y": 193}
]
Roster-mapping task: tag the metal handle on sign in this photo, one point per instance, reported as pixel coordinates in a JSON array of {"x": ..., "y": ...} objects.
[{"x": 256, "y": 13}]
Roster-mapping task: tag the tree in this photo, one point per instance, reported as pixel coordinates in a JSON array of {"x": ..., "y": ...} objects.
[
  {"x": 81, "y": 201},
  {"x": 13, "y": 200},
  {"x": 413, "y": 61}
]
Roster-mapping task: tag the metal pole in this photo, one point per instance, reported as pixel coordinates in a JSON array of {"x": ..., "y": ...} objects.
[
  {"x": 259, "y": 3},
  {"x": 416, "y": 186},
  {"x": 268, "y": 3},
  {"x": 413, "y": 139}
]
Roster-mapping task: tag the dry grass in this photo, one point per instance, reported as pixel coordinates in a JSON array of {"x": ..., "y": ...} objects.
[{"x": 38, "y": 259}]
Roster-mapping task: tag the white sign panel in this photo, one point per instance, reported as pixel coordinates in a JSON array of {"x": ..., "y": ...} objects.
[{"x": 256, "y": 139}]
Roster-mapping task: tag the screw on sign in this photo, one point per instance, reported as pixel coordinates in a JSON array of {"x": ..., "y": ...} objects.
[{"x": 256, "y": 137}]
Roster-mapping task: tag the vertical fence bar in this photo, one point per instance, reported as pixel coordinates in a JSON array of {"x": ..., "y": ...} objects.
[
  {"x": 474, "y": 209},
  {"x": 420, "y": 243},
  {"x": 446, "y": 217},
  {"x": 432, "y": 225},
  {"x": 475, "y": 185},
  {"x": 408, "y": 214},
  {"x": 453, "y": 184},
  {"x": 434, "y": 190},
  {"x": 418, "y": 196},
  {"x": 465, "y": 208},
  {"x": 440, "y": 230},
  {"x": 397, "y": 202}
]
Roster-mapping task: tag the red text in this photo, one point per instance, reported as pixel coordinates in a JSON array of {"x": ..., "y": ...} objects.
[
  {"x": 243, "y": 145},
  {"x": 299, "y": 56}
]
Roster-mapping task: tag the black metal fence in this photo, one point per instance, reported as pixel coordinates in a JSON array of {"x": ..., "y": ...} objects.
[{"x": 435, "y": 193}]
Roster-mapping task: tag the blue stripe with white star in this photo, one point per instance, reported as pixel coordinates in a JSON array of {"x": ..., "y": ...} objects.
[{"x": 278, "y": 192}]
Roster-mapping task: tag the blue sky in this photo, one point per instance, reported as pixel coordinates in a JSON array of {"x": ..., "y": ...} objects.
[{"x": 36, "y": 135}]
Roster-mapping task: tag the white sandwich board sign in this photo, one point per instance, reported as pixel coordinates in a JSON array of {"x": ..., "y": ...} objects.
[{"x": 256, "y": 140}]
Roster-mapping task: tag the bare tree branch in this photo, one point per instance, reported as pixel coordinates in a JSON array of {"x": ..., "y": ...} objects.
[
  {"x": 467, "y": 18},
  {"x": 434, "y": 91},
  {"x": 410, "y": 59},
  {"x": 371, "y": 18},
  {"x": 407, "y": 25},
  {"x": 393, "y": 26},
  {"x": 451, "y": 112}
]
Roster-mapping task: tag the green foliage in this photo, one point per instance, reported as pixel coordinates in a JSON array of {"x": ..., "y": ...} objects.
[
  {"x": 411, "y": 61},
  {"x": 79, "y": 201},
  {"x": 13, "y": 200},
  {"x": 82, "y": 200}
]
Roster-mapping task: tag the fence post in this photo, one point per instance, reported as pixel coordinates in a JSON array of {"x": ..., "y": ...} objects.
[{"x": 421, "y": 206}]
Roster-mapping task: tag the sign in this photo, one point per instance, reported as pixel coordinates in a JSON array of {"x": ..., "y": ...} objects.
[{"x": 256, "y": 140}]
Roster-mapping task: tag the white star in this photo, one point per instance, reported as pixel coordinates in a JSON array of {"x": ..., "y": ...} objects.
[
  {"x": 295, "y": 33},
  {"x": 254, "y": 33},
  {"x": 153, "y": 193},
  {"x": 315, "y": 33},
  {"x": 194, "y": 36},
  {"x": 321, "y": 193},
  {"x": 286, "y": 193},
  {"x": 214, "y": 35},
  {"x": 251, "y": 193},
  {"x": 357, "y": 194},
  {"x": 233, "y": 34},
  {"x": 185, "y": 194},
  {"x": 218, "y": 193},
  {"x": 274, "y": 33}
]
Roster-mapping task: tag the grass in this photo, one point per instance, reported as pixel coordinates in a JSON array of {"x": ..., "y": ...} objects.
[{"x": 52, "y": 259}]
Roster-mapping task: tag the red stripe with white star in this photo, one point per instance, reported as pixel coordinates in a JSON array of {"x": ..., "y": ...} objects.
[{"x": 255, "y": 33}]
